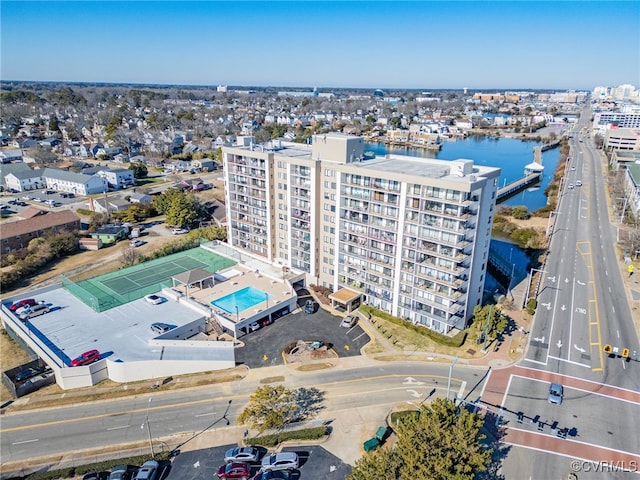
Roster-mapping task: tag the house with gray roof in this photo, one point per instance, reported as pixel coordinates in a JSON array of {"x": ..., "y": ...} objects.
[
  {"x": 26, "y": 180},
  {"x": 117, "y": 178},
  {"x": 71, "y": 182},
  {"x": 7, "y": 168},
  {"x": 11, "y": 155}
]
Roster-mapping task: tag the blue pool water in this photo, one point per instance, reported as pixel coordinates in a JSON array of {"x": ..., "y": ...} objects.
[{"x": 243, "y": 299}]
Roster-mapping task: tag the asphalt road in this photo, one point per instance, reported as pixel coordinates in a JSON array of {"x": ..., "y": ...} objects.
[
  {"x": 43, "y": 432},
  {"x": 582, "y": 305}
]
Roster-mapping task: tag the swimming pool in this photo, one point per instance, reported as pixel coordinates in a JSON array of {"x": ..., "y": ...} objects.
[{"x": 243, "y": 299}]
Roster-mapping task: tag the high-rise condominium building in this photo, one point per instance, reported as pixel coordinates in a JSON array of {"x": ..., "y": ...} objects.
[{"x": 407, "y": 235}]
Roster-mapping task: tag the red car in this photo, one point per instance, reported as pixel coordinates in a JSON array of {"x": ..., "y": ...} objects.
[
  {"x": 234, "y": 470},
  {"x": 22, "y": 303},
  {"x": 86, "y": 358}
]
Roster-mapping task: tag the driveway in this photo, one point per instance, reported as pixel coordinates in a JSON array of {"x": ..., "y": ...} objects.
[{"x": 264, "y": 347}]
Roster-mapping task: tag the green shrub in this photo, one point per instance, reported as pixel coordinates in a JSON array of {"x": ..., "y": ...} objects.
[
  {"x": 274, "y": 439},
  {"x": 532, "y": 304},
  {"x": 84, "y": 211},
  {"x": 456, "y": 341}
]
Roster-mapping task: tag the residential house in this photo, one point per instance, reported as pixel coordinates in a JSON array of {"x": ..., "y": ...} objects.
[
  {"x": 177, "y": 166},
  {"x": 24, "y": 181},
  {"x": 24, "y": 143},
  {"x": 18, "y": 234},
  {"x": 195, "y": 184},
  {"x": 117, "y": 178},
  {"x": 50, "y": 142},
  {"x": 108, "y": 152},
  {"x": 108, "y": 205},
  {"x": 77, "y": 183},
  {"x": 13, "y": 155},
  {"x": 111, "y": 233},
  {"x": 140, "y": 198},
  {"x": 203, "y": 165}
]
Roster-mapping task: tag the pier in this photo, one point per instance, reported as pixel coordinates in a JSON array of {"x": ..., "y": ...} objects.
[{"x": 518, "y": 185}]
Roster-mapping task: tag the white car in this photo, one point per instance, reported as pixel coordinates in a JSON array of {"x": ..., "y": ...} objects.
[
  {"x": 154, "y": 299},
  {"x": 578, "y": 183},
  {"x": 570, "y": 186},
  {"x": 179, "y": 231},
  {"x": 280, "y": 461},
  {"x": 136, "y": 243}
]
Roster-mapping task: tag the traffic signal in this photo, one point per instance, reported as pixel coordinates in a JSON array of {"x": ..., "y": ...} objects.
[
  {"x": 607, "y": 348},
  {"x": 625, "y": 353}
]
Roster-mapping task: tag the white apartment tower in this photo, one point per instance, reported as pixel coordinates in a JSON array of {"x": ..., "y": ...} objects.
[{"x": 407, "y": 235}]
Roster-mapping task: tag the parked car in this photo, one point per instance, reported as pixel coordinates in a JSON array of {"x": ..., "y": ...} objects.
[
  {"x": 254, "y": 326},
  {"x": 121, "y": 472},
  {"x": 349, "y": 321},
  {"x": 161, "y": 327},
  {"x": 241, "y": 454},
  {"x": 148, "y": 471},
  {"x": 179, "y": 231},
  {"x": 22, "y": 303},
  {"x": 27, "y": 373},
  {"x": 280, "y": 461},
  {"x": 309, "y": 307},
  {"x": 555, "y": 393},
  {"x": 28, "y": 311},
  {"x": 155, "y": 299},
  {"x": 86, "y": 358},
  {"x": 273, "y": 475},
  {"x": 136, "y": 243},
  {"x": 234, "y": 470},
  {"x": 96, "y": 476}
]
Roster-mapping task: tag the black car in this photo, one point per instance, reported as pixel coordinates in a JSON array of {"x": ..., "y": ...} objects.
[{"x": 26, "y": 374}]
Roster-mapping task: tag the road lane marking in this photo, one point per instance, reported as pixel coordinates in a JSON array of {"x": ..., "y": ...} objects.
[
  {"x": 205, "y": 414},
  {"x": 572, "y": 362},
  {"x": 118, "y": 428},
  {"x": 26, "y": 441}
]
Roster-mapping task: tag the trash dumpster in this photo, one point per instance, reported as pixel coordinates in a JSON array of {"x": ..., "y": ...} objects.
[{"x": 371, "y": 444}]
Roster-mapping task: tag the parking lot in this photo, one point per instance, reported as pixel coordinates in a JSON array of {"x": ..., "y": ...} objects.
[
  {"x": 264, "y": 347},
  {"x": 315, "y": 464},
  {"x": 18, "y": 202}
]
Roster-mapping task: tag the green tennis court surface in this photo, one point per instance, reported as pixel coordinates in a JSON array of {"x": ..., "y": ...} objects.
[{"x": 123, "y": 286}]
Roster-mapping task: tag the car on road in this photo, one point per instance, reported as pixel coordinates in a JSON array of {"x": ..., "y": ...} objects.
[
  {"x": 22, "y": 303},
  {"x": 155, "y": 299},
  {"x": 349, "y": 321},
  {"x": 280, "y": 461},
  {"x": 556, "y": 393},
  {"x": 570, "y": 186},
  {"x": 136, "y": 243},
  {"x": 578, "y": 183},
  {"x": 148, "y": 471},
  {"x": 158, "y": 327},
  {"x": 179, "y": 231},
  {"x": 573, "y": 167},
  {"x": 27, "y": 373},
  {"x": 86, "y": 358},
  {"x": 234, "y": 470},
  {"x": 241, "y": 454}
]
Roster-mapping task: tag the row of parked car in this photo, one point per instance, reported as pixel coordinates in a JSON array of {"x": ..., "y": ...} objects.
[
  {"x": 148, "y": 471},
  {"x": 28, "y": 308},
  {"x": 240, "y": 462}
]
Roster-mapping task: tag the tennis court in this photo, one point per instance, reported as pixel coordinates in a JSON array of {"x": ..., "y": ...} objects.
[{"x": 123, "y": 286}]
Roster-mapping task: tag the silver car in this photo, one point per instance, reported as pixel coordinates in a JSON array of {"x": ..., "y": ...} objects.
[
  {"x": 555, "y": 393},
  {"x": 280, "y": 461},
  {"x": 241, "y": 454}
]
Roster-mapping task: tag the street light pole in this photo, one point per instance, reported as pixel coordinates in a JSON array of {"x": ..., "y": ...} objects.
[
  {"x": 450, "y": 373},
  {"x": 146, "y": 422}
]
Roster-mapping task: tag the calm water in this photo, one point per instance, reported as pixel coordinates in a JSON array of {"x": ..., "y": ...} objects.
[{"x": 509, "y": 154}]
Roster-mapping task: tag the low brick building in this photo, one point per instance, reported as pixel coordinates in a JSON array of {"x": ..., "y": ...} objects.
[{"x": 18, "y": 234}]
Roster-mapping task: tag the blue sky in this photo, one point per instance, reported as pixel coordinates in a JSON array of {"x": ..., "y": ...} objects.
[{"x": 368, "y": 44}]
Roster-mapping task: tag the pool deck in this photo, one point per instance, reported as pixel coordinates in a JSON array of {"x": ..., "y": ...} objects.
[{"x": 279, "y": 292}]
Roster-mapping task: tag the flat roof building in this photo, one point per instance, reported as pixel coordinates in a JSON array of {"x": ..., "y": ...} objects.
[{"x": 407, "y": 235}]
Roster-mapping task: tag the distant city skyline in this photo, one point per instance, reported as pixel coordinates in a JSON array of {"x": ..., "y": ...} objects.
[{"x": 358, "y": 44}]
